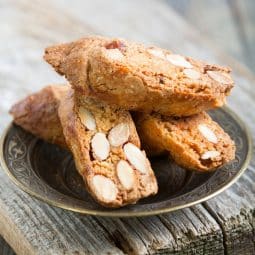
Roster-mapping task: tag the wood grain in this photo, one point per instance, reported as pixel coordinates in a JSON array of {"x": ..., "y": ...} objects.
[
  {"x": 223, "y": 225},
  {"x": 5, "y": 249},
  {"x": 237, "y": 35}
]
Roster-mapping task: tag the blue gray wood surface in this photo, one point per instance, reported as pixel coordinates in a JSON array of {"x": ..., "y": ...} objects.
[
  {"x": 222, "y": 225},
  {"x": 227, "y": 23}
]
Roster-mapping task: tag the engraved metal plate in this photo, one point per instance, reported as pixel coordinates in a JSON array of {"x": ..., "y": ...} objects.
[{"x": 48, "y": 173}]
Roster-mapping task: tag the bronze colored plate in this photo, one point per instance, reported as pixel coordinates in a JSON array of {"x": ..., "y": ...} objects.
[{"x": 48, "y": 173}]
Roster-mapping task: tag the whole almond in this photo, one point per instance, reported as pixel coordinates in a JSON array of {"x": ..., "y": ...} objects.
[
  {"x": 125, "y": 174},
  {"x": 119, "y": 134},
  {"x": 114, "y": 54},
  {"x": 87, "y": 118},
  {"x": 104, "y": 188},
  {"x": 100, "y": 146},
  {"x": 207, "y": 133},
  {"x": 157, "y": 53},
  {"x": 178, "y": 60},
  {"x": 210, "y": 155},
  {"x": 136, "y": 157},
  {"x": 220, "y": 77},
  {"x": 192, "y": 74}
]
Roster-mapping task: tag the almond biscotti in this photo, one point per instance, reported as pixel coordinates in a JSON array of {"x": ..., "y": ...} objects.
[
  {"x": 195, "y": 142},
  {"x": 38, "y": 114},
  {"x": 106, "y": 150},
  {"x": 136, "y": 77}
]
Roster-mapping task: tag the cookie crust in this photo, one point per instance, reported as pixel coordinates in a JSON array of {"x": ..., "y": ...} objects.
[
  {"x": 136, "y": 77},
  {"x": 38, "y": 114},
  {"x": 196, "y": 142}
]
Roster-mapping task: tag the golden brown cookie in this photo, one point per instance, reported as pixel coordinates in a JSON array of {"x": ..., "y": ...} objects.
[
  {"x": 196, "y": 142},
  {"x": 136, "y": 77},
  {"x": 38, "y": 114},
  {"x": 106, "y": 150}
]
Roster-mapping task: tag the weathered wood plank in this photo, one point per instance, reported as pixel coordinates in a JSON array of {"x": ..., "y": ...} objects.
[
  {"x": 42, "y": 229},
  {"x": 180, "y": 231},
  {"x": 208, "y": 18},
  {"x": 5, "y": 249},
  {"x": 234, "y": 211},
  {"x": 32, "y": 227},
  {"x": 47, "y": 230},
  {"x": 194, "y": 238},
  {"x": 139, "y": 236}
]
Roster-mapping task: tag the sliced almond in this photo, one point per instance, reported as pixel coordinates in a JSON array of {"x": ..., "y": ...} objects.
[
  {"x": 136, "y": 157},
  {"x": 125, "y": 174},
  {"x": 220, "y": 77},
  {"x": 207, "y": 133},
  {"x": 119, "y": 134},
  {"x": 192, "y": 74},
  {"x": 104, "y": 188},
  {"x": 210, "y": 155},
  {"x": 157, "y": 53},
  {"x": 114, "y": 54},
  {"x": 100, "y": 146},
  {"x": 178, "y": 60},
  {"x": 87, "y": 118}
]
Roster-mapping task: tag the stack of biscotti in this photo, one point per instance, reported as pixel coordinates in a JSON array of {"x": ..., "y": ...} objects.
[{"x": 168, "y": 95}]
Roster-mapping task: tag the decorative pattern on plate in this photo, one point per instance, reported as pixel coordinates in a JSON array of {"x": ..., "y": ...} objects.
[{"x": 48, "y": 172}]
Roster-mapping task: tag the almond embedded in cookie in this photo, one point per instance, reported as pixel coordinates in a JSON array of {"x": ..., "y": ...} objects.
[
  {"x": 207, "y": 133},
  {"x": 125, "y": 174},
  {"x": 87, "y": 118},
  {"x": 157, "y": 53},
  {"x": 137, "y": 158},
  {"x": 119, "y": 134},
  {"x": 100, "y": 146},
  {"x": 192, "y": 74},
  {"x": 104, "y": 188},
  {"x": 134, "y": 77},
  {"x": 195, "y": 142},
  {"x": 210, "y": 155},
  {"x": 178, "y": 60},
  {"x": 114, "y": 54},
  {"x": 220, "y": 77}
]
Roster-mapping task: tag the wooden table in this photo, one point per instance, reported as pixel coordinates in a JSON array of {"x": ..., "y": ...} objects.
[
  {"x": 229, "y": 24},
  {"x": 222, "y": 225}
]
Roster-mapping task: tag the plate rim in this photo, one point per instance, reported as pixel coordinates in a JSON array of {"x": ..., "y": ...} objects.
[{"x": 131, "y": 213}]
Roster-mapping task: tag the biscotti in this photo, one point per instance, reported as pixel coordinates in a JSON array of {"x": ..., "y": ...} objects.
[
  {"x": 38, "y": 114},
  {"x": 195, "y": 142},
  {"x": 135, "y": 77},
  {"x": 106, "y": 150}
]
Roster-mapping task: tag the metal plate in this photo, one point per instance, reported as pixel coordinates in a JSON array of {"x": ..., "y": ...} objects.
[{"x": 48, "y": 173}]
